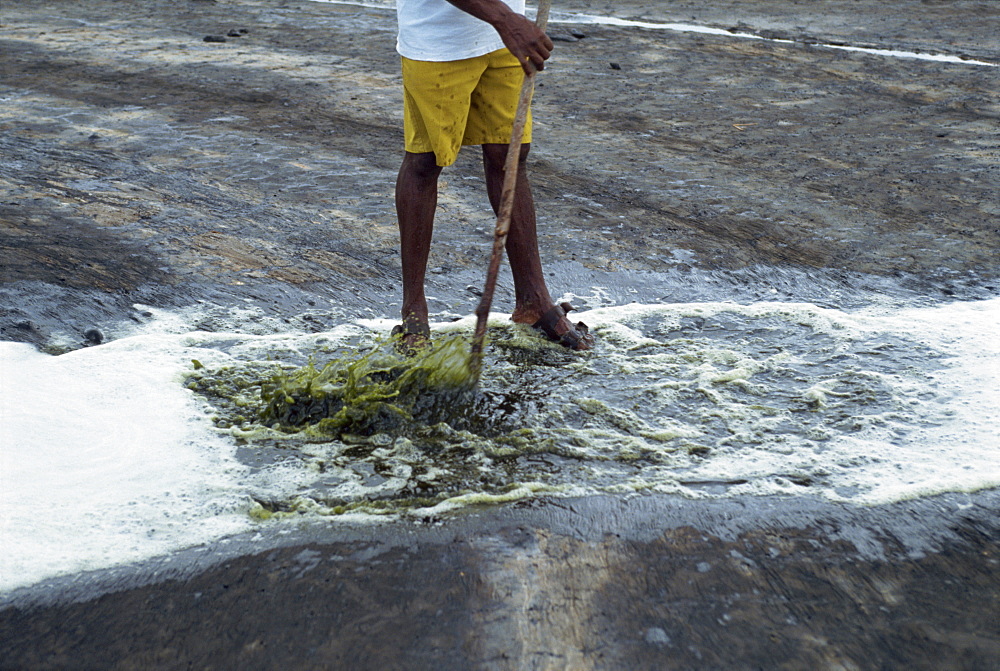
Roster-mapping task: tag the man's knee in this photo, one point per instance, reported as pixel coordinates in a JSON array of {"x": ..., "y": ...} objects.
[
  {"x": 421, "y": 166},
  {"x": 496, "y": 154}
]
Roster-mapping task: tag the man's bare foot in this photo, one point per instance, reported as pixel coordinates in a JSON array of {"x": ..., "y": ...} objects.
[
  {"x": 556, "y": 327},
  {"x": 411, "y": 339}
]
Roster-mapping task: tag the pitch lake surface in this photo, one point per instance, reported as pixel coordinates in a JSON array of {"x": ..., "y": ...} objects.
[
  {"x": 784, "y": 254},
  {"x": 154, "y": 442}
]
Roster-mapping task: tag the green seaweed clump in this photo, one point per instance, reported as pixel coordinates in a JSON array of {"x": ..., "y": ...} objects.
[{"x": 378, "y": 392}]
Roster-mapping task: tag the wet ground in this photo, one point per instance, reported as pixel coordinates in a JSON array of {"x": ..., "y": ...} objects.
[
  {"x": 647, "y": 583},
  {"x": 140, "y": 164},
  {"x": 157, "y": 165}
]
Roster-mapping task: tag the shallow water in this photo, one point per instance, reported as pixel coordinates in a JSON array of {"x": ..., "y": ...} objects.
[
  {"x": 120, "y": 452},
  {"x": 575, "y": 18}
]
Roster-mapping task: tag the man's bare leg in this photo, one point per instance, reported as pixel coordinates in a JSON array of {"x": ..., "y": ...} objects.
[
  {"x": 416, "y": 202},
  {"x": 532, "y": 299}
]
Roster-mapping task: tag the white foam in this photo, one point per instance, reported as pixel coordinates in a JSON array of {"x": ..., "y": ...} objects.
[
  {"x": 956, "y": 449},
  {"x": 962, "y": 453},
  {"x": 106, "y": 459}
]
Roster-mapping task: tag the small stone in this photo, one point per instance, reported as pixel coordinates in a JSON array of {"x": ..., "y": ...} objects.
[
  {"x": 774, "y": 35},
  {"x": 215, "y": 38},
  {"x": 28, "y": 325},
  {"x": 657, "y": 636},
  {"x": 615, "y": 66},
  {"x": 93, "y": 336}
]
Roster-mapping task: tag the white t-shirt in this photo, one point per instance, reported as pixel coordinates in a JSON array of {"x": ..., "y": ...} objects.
[{"x": 436, "y": 30}]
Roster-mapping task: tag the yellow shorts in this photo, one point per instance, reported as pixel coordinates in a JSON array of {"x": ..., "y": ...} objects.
[{"x": 453, "y": 103}]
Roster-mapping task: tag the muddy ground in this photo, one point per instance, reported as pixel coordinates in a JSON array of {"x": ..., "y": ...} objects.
[{"x": 140, "y": 164}]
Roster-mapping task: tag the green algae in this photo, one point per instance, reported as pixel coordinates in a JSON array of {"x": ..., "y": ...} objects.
[
  {"x": 388, "y": 434},
  {"x": 378, "y": 391},
  {"x": 233, "y": 391}
]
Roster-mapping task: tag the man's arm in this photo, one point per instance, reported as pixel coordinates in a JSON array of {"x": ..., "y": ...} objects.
[{"x": 530, "y": 45}]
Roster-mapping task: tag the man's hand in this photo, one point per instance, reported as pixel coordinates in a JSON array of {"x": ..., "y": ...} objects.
[{"x": 530, "y": 45}]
